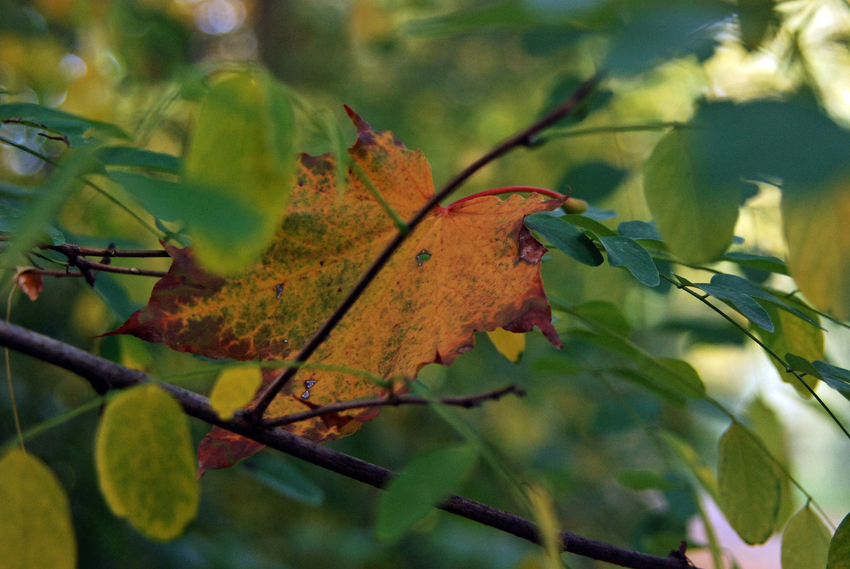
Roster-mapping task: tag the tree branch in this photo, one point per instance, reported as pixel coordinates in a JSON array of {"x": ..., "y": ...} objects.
[
  {"x": 104, "y": 375},
  {"x": 468, "y": 401},
  {"x": 523, "y": 138}
]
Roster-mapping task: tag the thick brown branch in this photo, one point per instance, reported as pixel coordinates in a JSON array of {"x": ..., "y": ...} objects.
[
  {"x": 394, "y": 400},
  {"x": 104, "y": 375},
  {"x": 524, "y": 138}
]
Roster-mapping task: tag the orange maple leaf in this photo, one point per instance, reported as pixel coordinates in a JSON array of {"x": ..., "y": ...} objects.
[{"x": 468, "y": 267}]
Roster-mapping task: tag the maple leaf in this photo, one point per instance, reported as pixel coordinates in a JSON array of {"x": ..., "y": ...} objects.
[{"x": 468, "y": 267}]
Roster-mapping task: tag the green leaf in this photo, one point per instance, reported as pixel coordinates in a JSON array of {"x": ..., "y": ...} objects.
[
  {"x": 221, "y": 218},
  {"x": 626, "y": 252},
  {"x": 744, "y": 304},
  {"x": 46, "y": 204},
  {"x": 746, "y": 287},
  {"x": 673, "y": 396},
  {"x": 606, "y": 314},
  {"x": 764, "y": 422},
  {"x": 137, "y": 157},
  {"x": 750, "y": 486},
  {"x": 836, "y": 377},
  {"x": 664, "y": 32},
  {"x": 805, "y": 542},
  {"x": 591, "y": 181},
  {"x": 802, "y": 365},
  {"x": 638, "y": 230},
  {"x": 792, "y": 335},
  {"x": 591, "y": 225},
  {"x": 242, "y": 150},
  {"x": 694, "y": 462},
  {"x": 566, "y": 237},
  {"x": 281, "y": 476},
  {"x": 74, "y": 126},
  {"x": 695, "y": 210},
  {"x": 761, "y": 262},
  {"x": 642, "y": 480},
  {"x": 146, "y": 464},
  {"x": 423, "y": 484},
  {"x": 36, "y": 530},
  {"x": 839, "y": 547},
  {"x": 755, "y": 19}
]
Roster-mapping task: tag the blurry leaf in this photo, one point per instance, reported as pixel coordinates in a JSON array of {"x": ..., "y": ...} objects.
[
  {"x": 638, "y": 230},
  {"x": 129, "y": 156},
  {"x": 744, "y": 304},
  {"x": 642, "y": 480},
  {"x": 36, "y": 531},
  {"x": 839, "y": 547},
  {"x": 242, "y": 151},
  {"x": 234, "y": 389},
  {"x": 592, "y": 181},
  {"x": 424, "y": 483},
  {"x": 47, "y": 203},
  {"x": 73, "y": 126},
  {"x": 145, "y": 462},
  {"x": 797, "y": 337},
  {"x": 694, "y": 462},
  {"x": 280, "y": 475},
  {"x": 755, "y": 18},
  {"x": 547, "y": 523},
  {"x": 115, "y": 296},
  {"x": 606, "y": 314},
  {"x": 750, "y": 486},
  {"x": 836, "y": 377},
  {"x": 664, "y": 31},
  {"x": 695, "y": 213},
  {"x": 555, "y": 364},
  {"x": 817, "y": 226},
  {"x": 509, "y": 344},
  {"x": 762, "y": 262},
  {"x": 764, "y": 422},
  {"x": 565, "y": 88},
  {"x": 805, "y": 542},
  {"x": 231, "y": 219},
  {"x": 566, "y": 237},
  {"x": 674, "y": 375},
  {"x": 801, "y": 365},
  {"x": 628, "y": 253},
  {"x": 673, "y": 396}
]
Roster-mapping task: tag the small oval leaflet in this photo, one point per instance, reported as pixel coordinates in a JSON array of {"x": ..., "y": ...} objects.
[{"x": 146, "y": 465}]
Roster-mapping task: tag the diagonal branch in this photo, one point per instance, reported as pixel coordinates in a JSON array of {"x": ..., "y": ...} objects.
[
  {"x": 104, "y": 375},
  {"x": 524, "y": 138}
]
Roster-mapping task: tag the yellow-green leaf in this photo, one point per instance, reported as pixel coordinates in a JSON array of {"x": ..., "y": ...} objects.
[
  {"x": 509, "y": 344},
  {"x": 234, "y": 389},
  {"x": 817, "y": 229},
  {"x": 750, "y": 486},
  {"x": 839, "y": 547},
  {"x": 242, "y": 147},
  {"x": 805, "y": 543},
  {"x": 694, "y": 462},
  {"x": 795, "y": 335},
  {"x": 695, "y": 209},
  {"x": 146, "y": 465},
  {"x": 35, "y": 517},
  {"x": 547, "y": 520}
]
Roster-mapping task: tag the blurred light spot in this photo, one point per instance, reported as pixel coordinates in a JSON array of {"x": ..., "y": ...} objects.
[
  {"x": 219, "y": 16},
  {"x": 20, "y": 162},
  {"x": 72, "y": 67},
  {"x": 845, "y": 96}
]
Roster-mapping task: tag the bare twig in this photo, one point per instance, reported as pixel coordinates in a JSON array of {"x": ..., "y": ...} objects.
[
  {"x": 524, "y": 138},
  {"x": 69, "y": 249},
  {"x": 394, "y": 400},
  {"x": 104, "y": 375},
  {"x": 100, "y": 267}
]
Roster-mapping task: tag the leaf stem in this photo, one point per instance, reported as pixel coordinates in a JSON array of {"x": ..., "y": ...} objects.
[
  {"x": 523, "y": 138},
  {"x": 9, "y": 375}
]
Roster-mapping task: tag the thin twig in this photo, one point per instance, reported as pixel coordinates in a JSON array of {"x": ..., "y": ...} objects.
[
  {"x": 394, "y": 400},
  {"x": 524, "y": 138},
  {"x": 67, "y": 249},
  {"x": 100, "y": 267},
  {"x": 105, "y": 375}
]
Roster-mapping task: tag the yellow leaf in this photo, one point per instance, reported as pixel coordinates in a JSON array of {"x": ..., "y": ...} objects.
[
  {"x": 547, "y": 522},
  {"x": 510, "y": 344},
  {"x": 234, "y": 389},
  {"x": 146, "y": 465},
  {"x": 35, "y": 518}
]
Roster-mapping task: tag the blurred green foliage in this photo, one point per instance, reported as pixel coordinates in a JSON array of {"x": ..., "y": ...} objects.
[{"x": 453, "y": 78}]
